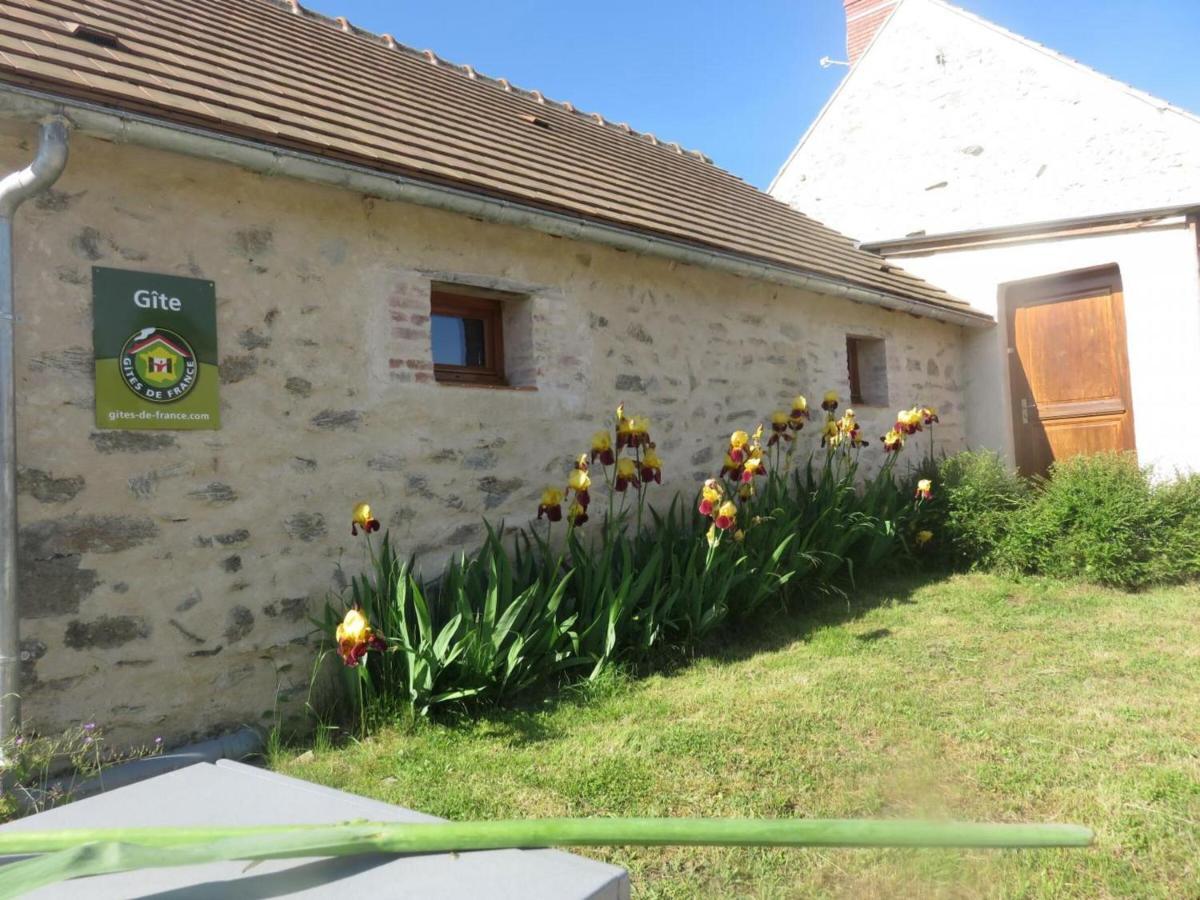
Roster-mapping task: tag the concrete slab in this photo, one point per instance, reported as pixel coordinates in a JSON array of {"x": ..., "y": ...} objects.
[{"x": 230, "y": 793}]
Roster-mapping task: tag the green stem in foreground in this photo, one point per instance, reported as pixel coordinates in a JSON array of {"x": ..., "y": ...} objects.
[
  {"x": 440, "y": 837},
  {"x": 84, "y": 852}
]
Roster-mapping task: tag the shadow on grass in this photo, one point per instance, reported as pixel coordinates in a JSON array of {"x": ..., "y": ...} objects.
[
  {"x": 527, "y": 721},
  {"x": 810, "y": 613}
]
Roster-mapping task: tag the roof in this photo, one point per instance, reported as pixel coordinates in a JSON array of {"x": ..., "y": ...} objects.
[
  {"x": 277, "y": 74},
  {"x": 1077, "y": 226}
]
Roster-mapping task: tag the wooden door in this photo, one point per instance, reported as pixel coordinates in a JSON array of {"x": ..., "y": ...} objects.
[{"x": 1068, "y": 367}]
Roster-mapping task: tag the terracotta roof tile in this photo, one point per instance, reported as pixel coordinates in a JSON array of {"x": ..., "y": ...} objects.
[{"x": 270, "y": 71}]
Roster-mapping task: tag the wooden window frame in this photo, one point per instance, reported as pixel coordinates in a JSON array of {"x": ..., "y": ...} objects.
[{"x": 489, "y": 310}]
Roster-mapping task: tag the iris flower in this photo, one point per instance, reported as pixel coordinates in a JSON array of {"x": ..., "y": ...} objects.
[
  {"x": 362, "y": 518},
  {"x": 830, "y": 401},
  {"x": 799, "y": 412},
  {"x": 737, "y": 446},
  {"x": 729, "y": 467},
  {"x": 726, "y": 516},
  {"x": 579, "y": 481},
  {"x": 924, "y": 489},
  {"x": 831, "y": 435},
  {"x": 633, "y": 432},
  {"x": 710, "y": 496},
  {"x": 781, "y": 421},
  {"x": 651, "y": 467},
  {"x": 908, "y": 421},
  {"x": 627, "y": 474},
  {"x": 753, "y": 466},
  {"x": 355, "y": 637},
  {"x": 893, "y": 441},
  {"x": 551, "y": 505},
  {"x": 602, "y": 448},
  {"x": 577, "y": 514}
]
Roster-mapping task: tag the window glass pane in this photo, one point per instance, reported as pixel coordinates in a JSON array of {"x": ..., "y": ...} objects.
[{"x": 458, "y": 341}]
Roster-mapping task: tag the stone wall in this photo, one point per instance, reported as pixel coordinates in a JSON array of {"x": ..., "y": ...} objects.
[{"x": 167, "y": 577}]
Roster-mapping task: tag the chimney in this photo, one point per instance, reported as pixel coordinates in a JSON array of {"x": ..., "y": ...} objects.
[{"x": 863, "y": 19}]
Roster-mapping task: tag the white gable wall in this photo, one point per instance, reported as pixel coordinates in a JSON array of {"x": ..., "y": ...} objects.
[
  {"x": 950, "y": 123},
  {"x": 1160, "y": 275}
]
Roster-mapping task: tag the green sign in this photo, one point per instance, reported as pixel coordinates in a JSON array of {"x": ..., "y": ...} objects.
[{"x": 156, "y": 350}]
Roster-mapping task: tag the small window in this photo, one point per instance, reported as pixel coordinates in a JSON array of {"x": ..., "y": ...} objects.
[
  {"x": 468, "y": 339},
  {"x": 866, "y": 362}
]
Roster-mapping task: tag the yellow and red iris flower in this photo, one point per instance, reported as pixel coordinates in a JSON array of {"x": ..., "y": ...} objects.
[
  {"x": 908, "y": 421},
  {"x": 929, "y": 415},
  {"x": 355, "y": 637},
  {"x": 781, "y": 422},
  {"x": 737, "y": 446},
  {"x": 580, "y": 482},
  {"x": 726, "y": 516},
  {"x": 893, "y": 441},
  {"x": 362, "y": 518},
  {"x": 924, "y": 489},
  {"x": 830, "y": 401},
  {"x": 627, "y": 474},
  {"x": 831, "y": 434},
  {"x": 799, "y": 412},
  {"x": 632, "y": 432},
  {"x": 602, "y": 448},
  {"x": 729, "y": 467},
  {"x": 751, "y": 467},
  {"x": 651, "y": 466},
  {"x": 551, "y": 505},
  {"x": 850, "y": 430},
  {"x": 710, "y": 495},
  {"x": 577, "y": 514}
]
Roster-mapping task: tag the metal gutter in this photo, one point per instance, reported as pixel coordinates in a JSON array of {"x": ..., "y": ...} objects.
[
  {"x": 1077, "y": 226},
  {"x": 121, "y": 126},
  {"x": 16, "y": 188}
]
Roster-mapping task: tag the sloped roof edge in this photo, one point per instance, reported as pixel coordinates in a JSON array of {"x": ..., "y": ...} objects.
[
  {"x": 126, "y": 127},
  {"x": 833, "y": 98},
  {"x": 1144, "y": 96}
]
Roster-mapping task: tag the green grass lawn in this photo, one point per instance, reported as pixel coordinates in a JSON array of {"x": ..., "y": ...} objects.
[{"x": 969, "y": 697}]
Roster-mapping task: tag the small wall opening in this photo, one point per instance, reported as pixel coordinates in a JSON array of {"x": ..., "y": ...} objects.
[{"x": 866, "y": 363}]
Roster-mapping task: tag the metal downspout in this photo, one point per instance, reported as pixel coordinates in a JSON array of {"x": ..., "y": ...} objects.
[{"x": 16, "y": 188}]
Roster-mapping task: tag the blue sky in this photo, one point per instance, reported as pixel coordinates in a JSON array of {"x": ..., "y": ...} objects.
[{"x": 741, "y": 81}]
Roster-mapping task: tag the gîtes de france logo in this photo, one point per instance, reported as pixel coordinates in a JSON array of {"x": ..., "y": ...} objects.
[{"x": 158, "y": 365}]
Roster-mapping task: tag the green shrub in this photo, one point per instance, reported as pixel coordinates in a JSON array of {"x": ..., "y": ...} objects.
[
  {"x": 977, "y": 500},
  {"x": 1094, "y": 518},
  {"x": 1176, "y": 539}
]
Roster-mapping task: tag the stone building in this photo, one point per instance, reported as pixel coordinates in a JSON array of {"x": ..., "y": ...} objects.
[
  {"x": 1059, "y": 200},
  {"x": 431, "y": 287}
]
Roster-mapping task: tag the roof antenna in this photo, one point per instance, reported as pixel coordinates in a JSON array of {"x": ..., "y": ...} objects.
[{"x": 827, "y": 61}]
